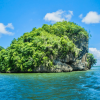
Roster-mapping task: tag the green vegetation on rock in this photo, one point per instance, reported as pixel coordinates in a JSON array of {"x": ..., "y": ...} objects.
[
  {"x": 41, "y": 46},
  {"x": 91, "y": 60}
]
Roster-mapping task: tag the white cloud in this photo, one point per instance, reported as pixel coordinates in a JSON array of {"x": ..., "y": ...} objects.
[
  {"x": 59, "y": 15},
  {"x": 91, "y": 17},
  {"x": 69, "y": 16},
  {"x": 10, "y": 26},
  {"x": 81, "y": 15},
  {"x": 96, "y": 54},
  {"x": 3, "y": 28}
]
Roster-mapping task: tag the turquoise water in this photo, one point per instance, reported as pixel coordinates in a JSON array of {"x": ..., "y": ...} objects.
[{"x": 84, "y": 85}]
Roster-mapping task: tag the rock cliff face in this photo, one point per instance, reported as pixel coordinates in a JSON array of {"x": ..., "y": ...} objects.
[{"x": 70, "y": 62}]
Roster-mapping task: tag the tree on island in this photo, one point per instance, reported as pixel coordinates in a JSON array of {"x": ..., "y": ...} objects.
[{"x": 91, "y": 60}]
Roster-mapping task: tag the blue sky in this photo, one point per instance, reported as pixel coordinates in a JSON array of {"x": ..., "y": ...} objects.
[{"x": 20, "y": 16}]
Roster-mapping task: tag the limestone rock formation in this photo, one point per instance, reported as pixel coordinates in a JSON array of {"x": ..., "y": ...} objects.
[{"x": 61, "y": 47}]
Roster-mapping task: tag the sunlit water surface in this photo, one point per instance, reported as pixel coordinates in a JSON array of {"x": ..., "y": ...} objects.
[{"x": 84, "y": 85}]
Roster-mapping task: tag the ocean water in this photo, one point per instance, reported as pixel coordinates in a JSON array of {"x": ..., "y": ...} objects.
[{"x": 80, "y": 85}]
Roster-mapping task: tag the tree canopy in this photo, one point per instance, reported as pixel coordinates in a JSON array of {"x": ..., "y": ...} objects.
[{"x": 91, "y": 60}]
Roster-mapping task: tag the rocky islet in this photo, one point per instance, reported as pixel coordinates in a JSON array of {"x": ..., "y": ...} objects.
[{"x": 61, "y": 47}]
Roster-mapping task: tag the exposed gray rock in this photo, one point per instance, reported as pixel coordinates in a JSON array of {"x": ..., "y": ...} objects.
[
  {"x": 59, "y": 67},
  {"x": 84, "y": 58},
  {"x": 62, "y": 66},
  {"x": 69, "y": 58},
  {"x": 78, "y": 65}
]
